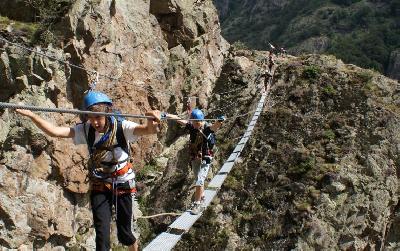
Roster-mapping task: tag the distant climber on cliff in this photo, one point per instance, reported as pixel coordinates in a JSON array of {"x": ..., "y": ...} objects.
[
  {"x": 265, "y": 74},
  {"x": 112, "y": 177},
  {"x": 202, "y": 140},
  {"x": 272, "y": 47},
  {"x": 271, "y": 61},
  {"x": 282, "y": 51}
]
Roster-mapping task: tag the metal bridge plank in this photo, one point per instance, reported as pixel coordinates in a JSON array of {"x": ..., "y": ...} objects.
[
  {"x": 209, "y": 196},
  {"x": 232, "y": 157},
  {"x": 164, "y": 241},
  {"x": 238, "y": 148},
  {"x": 243, "y": 140},
  {"x": 227, "y": 167},
  {"x": 185, "y": 221},
  {"x": 262, "y": 98},
  {"x": 217, "y": 181}
]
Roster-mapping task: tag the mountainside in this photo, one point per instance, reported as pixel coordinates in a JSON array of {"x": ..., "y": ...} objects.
[
  {"x": 361, "y": 32},
  {"x": 320, "y": 171}
]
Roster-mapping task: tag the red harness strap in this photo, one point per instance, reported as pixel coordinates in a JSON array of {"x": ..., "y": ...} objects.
[
  {"x": 101, "y": 186},
  {"x": 122, "y": 171}
]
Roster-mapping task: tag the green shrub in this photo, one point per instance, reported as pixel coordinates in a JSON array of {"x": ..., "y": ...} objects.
[
  {"x": 303, "y": 167},
  {"x": 145, "y": 171},
  {"x": 48, "y": 13},
  {"x": 28, "y": 28},
  {"x": 329, "y": 90},
  {"x": 366, "y": 76},
  {"x": 239, "y": 45},
  {"x": 311, "y": 72},
  {"x": 49, "y": 10},
  {"x": 329, "y": 134}
]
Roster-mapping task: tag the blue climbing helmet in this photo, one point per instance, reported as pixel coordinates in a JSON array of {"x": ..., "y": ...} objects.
[
  {"x": 93, "y": 97},
  {"x": 196, "y": 114}
]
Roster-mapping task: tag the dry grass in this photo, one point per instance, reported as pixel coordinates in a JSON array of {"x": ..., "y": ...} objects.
[{"x": 27, "y": 29}]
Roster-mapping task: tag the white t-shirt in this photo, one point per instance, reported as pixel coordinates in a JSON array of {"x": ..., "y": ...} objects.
[{"x": 128, "y": 128}]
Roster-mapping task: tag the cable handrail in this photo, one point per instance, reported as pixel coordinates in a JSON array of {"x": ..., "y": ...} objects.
[
  {"x": 82, "y": 112},
  {"x": 169, "y": 93}
]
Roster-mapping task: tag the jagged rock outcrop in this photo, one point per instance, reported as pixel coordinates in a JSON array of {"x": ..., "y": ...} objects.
[
  {"x": 315, "y": 45},
  {"x": 44, "y": 179},
  {"x": 394, "y": 65}
]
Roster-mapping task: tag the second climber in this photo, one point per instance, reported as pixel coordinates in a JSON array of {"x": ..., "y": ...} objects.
[{"x": 202, "y": 138}]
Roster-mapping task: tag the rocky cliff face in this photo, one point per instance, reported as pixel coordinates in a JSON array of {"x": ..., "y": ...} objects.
[
  {"x": 394, "y": 65},
  {"x": 321, "y": 170},
  {"x": 157, "y": 54}
]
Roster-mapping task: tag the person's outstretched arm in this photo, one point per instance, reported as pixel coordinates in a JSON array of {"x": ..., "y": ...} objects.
[
  {"x": 151, "y": 127},
  {"x": 47, "y": 127},
  {"x": 214, "y": 127},
  {"x": 178, "y": 119}
]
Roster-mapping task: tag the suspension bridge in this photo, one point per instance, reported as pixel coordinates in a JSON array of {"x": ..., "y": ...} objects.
[{"x": 166, "y": 240}]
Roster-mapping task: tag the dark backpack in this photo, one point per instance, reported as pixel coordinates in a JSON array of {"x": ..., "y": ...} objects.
[
  {"x": 211, "y": 140},
  {"x": 208, "y": 141}
]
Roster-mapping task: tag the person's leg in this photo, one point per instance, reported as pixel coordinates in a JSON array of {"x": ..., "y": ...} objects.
[
  {"x": 124, "y": 222},
  {"x": 201, "y": 178},
  {"x": 199, "y": 190},
  {"x": 196, "y": 167},
  {"x": 134, "y": 247},
  {"x": 198, "y": 193},
  {"x": 101, "y": 210}
]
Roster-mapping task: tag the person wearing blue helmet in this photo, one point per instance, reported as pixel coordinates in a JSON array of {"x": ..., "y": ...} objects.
[
  {"x": 112, "y": 176},
  {"x": 93, "y": 97},
  {"x": 202, "y": 140}
]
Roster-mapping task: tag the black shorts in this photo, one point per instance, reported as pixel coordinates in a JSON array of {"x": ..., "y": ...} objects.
[{"x": 102, "y": 203}]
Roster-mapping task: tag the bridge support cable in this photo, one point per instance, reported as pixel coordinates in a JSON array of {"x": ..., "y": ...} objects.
[{"x": 167, "y": 240}]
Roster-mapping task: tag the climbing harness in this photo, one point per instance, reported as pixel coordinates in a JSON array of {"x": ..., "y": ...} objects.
[
  {"x": 108, "y": 169},
  {"x": 102, "y": 170},
  {"x": 100, "y": 186}
]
